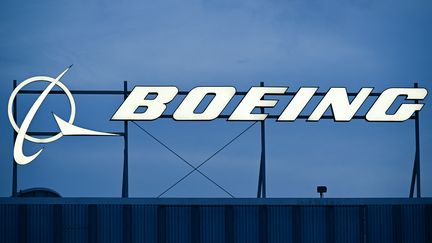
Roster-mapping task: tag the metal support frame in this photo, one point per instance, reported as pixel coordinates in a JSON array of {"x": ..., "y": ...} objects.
[
  {"x": 261, "y": 193},
  {"x": 125, "y": 184},
  {"x": 415, "y": 179},
  {"x": 262, "y": 171},
  {"x": 15, "y": 134}
]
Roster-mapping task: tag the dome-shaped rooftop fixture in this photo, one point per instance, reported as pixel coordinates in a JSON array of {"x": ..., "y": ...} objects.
[{"x": 38, "y": 192}]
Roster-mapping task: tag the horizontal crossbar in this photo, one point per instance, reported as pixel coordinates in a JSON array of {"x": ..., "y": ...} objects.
[
  {"x": 238, "y": 93},
  {"x": 55, "y": 133},
  {"x": 304, "y": 117},
  {"x": 118, "y": 92}
]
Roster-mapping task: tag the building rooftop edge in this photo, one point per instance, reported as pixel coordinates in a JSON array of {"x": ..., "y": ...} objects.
[{"x": 219, "y": 201}]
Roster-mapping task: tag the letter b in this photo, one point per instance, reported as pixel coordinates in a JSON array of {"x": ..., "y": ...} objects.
[{"x": 137, "y": 98}]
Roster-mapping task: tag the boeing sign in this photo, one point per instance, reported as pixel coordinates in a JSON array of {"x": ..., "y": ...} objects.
[
  {"x": 66, "y": 127},
  {"x": 156, "y": 98},
  {"x": 336, "y": 99}
]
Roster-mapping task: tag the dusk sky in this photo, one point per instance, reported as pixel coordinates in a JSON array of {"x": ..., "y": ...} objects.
[{"x": 351, "y": 44}]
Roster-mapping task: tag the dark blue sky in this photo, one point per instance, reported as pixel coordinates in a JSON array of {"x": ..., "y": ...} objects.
[{"x": 240, "y": 43}]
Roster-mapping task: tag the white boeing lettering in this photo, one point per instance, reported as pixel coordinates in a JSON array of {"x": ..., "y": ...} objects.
[
  {"x": 222, "y": 96},
  {"x": 297, "y": 104},
  {"x": 137, "y": 98},
  {"x": 253, "y": 99},
  {"x": 337, "y": 99},
  {"x": 378, "y": 112}
]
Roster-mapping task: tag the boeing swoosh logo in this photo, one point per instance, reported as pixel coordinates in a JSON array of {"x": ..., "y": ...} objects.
[{"x": 66, "y": 127}]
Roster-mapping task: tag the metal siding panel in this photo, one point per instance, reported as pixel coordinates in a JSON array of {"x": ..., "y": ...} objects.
[
  {"x": 75, "y": 222},
  {"x": 144, "y": 224},
  {"x": 109, "y": 223},
  {"x": 347, "y": 224},
  {"x": 212, "y": 224},
  {"x": 313, "y": 224},
  {"x": 22, "y": 223},
  {"x": 229, "y": 223},
  {"x": 178, "y": 224},
  {"x": 246, "y": 224},
  {"x": 9, "y": 223},
  {"x": 92, "y": 223},
  {"x": 39, "y": 223},
  {"x": 195, "y": 223},
  {"x": 77, "y": 218},
  {"x": 127, "y": 223},
  {"x": 150, "y": 224},
  {"x": 427, "y": 215},
  {"x": 161, "y": 224},
  {"x": 138, "y": 224},
  {"x": 412, "y": 223},
  {"x": 397, "y": 223},
  {"x": 57, "y": 225},
  {"x": 297, "y": 218},
  {"x": 380, "y": 226},
  {"x": 280, "y": 224},
  {"x": 329, "y": 225},
  {"x": 263, "y": 224},
  {"x": 3, "y": 225}
]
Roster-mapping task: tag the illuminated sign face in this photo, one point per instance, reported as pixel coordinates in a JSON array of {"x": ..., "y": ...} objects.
[
  {"x": 336, "y": 98},
  {"x": 66, "y": 127}
]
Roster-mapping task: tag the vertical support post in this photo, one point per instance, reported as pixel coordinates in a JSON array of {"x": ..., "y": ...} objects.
[
  {"x": 259, "y": 182},
  {"x": 125, "y": 184},
  {"x": 14, "y": 166},
  {"x": 417, "y": 135},
  {"x": 262, "y": 174},
  {"x": 415, "y": 179}
]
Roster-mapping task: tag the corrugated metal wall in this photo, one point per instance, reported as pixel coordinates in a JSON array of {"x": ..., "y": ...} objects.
[{"x": 133, "y": 222}]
